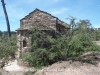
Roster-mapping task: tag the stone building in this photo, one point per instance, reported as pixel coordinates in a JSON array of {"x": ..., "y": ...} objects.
[{"x": 43, "y": 21}]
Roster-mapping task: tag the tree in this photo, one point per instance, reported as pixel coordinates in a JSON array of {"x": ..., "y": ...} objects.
[
  {"x": 1, "y": 33},
  {"x": 97, "y": 34},
  {"x": 72, "y": 25},
  {"x": 7, "y": 20},
  {"x": 84, "y": 26}
]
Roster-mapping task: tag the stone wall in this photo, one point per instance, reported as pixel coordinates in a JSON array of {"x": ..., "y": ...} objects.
[
  {"x": 62, "y": 27},
  {"x": 21, "y": 36},
  {"x": 37, "y": 19},
  {"x": 41, "y": 20}
]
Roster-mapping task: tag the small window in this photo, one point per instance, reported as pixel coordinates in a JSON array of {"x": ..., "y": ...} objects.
[{"x": 24, "y": 43}]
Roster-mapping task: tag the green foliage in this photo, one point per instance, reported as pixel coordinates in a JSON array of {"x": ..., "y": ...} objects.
[
  {"x": 1, "y": 33},
  {"x": 79, "y": 44},
  {"x": 4, "y": 33},
  {"x": 81, "y": 40},
  {"x": 96, "y": 34},
  {"x": 7, "y": 49},
  {"x": 47, "y": 50}
]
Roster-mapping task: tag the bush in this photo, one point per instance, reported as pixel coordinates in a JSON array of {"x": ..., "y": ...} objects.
[
  {"x": 7, "y": 49},
  {"x": 79, "y": 44},
  {"x": 47, "y": 50}
]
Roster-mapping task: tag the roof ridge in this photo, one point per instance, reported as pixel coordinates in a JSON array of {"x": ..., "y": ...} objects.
[
  {"x": 40, "y": 11},
  {"x": 43, "y": 12}
]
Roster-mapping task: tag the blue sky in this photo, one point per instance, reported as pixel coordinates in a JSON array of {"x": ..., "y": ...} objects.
[{"x": 80, "y": 9}]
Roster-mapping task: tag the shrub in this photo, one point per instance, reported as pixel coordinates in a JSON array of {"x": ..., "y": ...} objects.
[
  {"x": 47, "y": 50},
  {"x": 79, "y": 44},
  {"x": 7, "y": 49}
]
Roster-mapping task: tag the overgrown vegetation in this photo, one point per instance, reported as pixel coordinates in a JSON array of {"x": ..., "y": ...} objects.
[
  {"x": 7, "y": 49},
  {"x": 47, "y": 50}
]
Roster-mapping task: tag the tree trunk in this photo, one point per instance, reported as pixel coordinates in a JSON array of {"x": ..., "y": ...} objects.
[{"x": 7, "y": 20}]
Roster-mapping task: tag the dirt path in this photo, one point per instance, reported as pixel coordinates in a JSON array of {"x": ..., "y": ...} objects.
[{"x": 14, "y": 69}]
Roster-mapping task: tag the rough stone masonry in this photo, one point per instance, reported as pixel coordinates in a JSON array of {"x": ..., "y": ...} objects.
[{"x": 41, "y": 20}]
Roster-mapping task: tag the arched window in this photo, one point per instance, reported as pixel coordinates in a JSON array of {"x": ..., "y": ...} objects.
[{"x": 24, "y": 43}]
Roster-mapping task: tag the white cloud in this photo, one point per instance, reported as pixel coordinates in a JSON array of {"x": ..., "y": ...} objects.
[
  {"x": 58, "y": 11},
  {"x": 15, "y": 13}
]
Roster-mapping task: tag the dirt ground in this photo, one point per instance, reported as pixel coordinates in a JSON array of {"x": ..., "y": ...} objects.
[
  {"x": 14, "y": 69},
  {"x": 59, "y": 68},
  {"x": 76, "y": 68},
  {"x": 63, "y": 68},
  {"x": 11, "y": 72}
]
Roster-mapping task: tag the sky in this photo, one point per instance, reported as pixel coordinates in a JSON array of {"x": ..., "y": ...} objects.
[{"x": 80, "y": 9}]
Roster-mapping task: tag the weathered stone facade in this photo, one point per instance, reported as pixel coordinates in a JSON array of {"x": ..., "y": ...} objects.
[
  {"x": 41, "y": 20},
  {"x": 38, "y": 19}
]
